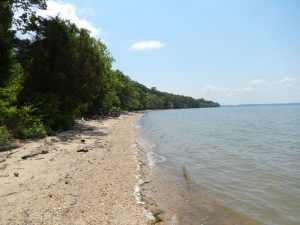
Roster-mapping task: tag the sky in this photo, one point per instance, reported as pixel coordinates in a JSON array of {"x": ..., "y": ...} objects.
[{"x": 232, "y": 52}]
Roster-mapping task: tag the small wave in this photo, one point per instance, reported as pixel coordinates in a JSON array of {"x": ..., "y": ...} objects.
[
  {"x": 144, "y": 144},
  {"x": 154, "y": 159},
  {"x": 140, "y": 182}
]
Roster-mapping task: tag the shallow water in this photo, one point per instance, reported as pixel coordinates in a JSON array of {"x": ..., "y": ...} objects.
[{"x": 230, "y": 165}]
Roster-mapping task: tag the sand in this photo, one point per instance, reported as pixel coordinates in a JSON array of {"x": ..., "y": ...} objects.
[{"x": 86, "y": 176}]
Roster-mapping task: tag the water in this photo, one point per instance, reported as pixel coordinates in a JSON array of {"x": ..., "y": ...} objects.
[{"x": 228, "y": 165}]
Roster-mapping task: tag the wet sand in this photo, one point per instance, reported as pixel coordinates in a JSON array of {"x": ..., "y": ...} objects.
[{"x": 83, "y": 176}]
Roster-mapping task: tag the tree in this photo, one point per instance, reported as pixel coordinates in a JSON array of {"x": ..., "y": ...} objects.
[
  {"x": 7, "y": 35},
  {"x": 25, "y": 9},
  {"x": 65, "y": 72}
]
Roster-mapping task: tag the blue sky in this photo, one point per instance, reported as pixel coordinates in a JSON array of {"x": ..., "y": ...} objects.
[{"x": 230, "y": 51}]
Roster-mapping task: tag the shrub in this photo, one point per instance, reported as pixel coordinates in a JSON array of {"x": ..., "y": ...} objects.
[
  {"x": 60, "y": 122},
  {"x": 5, "y": 135},
  {"x": 21, "y": 122},
  {"x": 37, "y": 130}
]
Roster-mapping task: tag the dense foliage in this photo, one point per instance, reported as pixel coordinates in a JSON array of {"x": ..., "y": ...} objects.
[{"x": 62, "y": 73}]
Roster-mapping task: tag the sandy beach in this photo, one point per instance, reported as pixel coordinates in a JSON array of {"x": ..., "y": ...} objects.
[{"x": 83, "y": 176}]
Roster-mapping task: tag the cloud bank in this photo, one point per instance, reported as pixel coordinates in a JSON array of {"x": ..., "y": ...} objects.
[
  {"x": 256, "y": 91},
  {"x": 252, "y": 86},
  {"x": 68, "y": 12},
  {"x": 147, "y": 45}
]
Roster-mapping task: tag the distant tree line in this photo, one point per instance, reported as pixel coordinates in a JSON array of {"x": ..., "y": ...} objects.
[{"x": 62, "y": 73}]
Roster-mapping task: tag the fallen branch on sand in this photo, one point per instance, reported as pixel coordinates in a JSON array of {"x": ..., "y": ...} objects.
[
  {"x": 83, "y": 150},
  {"x": 7, "y": 155},
  {"x": 35, "y": 154},
  {"x": 12, "y": 193},
  {"x": 10, "y": 146}
]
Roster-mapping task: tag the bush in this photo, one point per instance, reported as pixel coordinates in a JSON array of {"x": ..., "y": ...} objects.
[
  {"x": 21, "y": 122},
  {"x": 29, "y": 126},
  {"x": 37, "y": 130},
  {"x": 5, "y": 135},
  {"x": 58, "y": 122}
]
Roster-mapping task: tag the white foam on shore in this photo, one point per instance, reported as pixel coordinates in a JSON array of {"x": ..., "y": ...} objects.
[
  {"x": 148, "y": 146},
  {"x": 140, "y": 182},
  {"x": 149, "y": 215},
  {"x": 138, "y": 174},
  {"x": 174, "y": 220}
]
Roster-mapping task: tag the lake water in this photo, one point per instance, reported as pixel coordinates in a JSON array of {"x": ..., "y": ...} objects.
[{"x": 228, "y": 165}]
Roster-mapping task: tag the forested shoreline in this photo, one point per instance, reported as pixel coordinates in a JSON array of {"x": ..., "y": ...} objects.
[{"x": 62, "y": 73}]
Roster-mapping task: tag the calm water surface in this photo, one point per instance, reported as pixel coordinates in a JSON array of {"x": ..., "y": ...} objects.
[{"x": 228, "y": 162}]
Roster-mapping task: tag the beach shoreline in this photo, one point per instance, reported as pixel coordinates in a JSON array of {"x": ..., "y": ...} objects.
[
  {"x": 84, "y": 176},
  {"x": 173, "y": 188}
]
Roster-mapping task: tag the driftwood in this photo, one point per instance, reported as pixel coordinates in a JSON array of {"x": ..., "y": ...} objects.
[
  {"x": 12, "y": 193},
  {"x": 35, "y": 154},
  {"x": 84, "y": 129},
  {"x": 83, "y": 150},
  {"x": 10, "y": 146},
  {"x": 6, "y": 156}
]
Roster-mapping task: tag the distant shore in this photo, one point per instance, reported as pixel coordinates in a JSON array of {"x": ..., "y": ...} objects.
[{"x": 83, "y": 176}]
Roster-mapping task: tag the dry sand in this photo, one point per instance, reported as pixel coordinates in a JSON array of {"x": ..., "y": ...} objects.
[{"x": 65, "y": 186}]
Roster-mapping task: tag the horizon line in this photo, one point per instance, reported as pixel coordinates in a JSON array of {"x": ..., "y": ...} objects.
[{"x": 262, "y": 104}]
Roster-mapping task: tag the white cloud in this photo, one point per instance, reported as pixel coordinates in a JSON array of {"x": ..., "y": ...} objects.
[
  {"x": 252, "y": 86},
  {"x": 210, "y": 89},
  {"x": 256, "y": 83},
  {"x": 68, "y": 12},
  {"x": 255, "y": 91},
  {"x": 286, "y": 81},
  {"x": 147, "y": 45}
]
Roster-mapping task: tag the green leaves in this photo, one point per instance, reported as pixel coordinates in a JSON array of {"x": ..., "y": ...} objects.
[
  {"x": 26, "y": 9},
  {"x": 68, "y": 66},
  {"x": 5, "y": 136}
]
